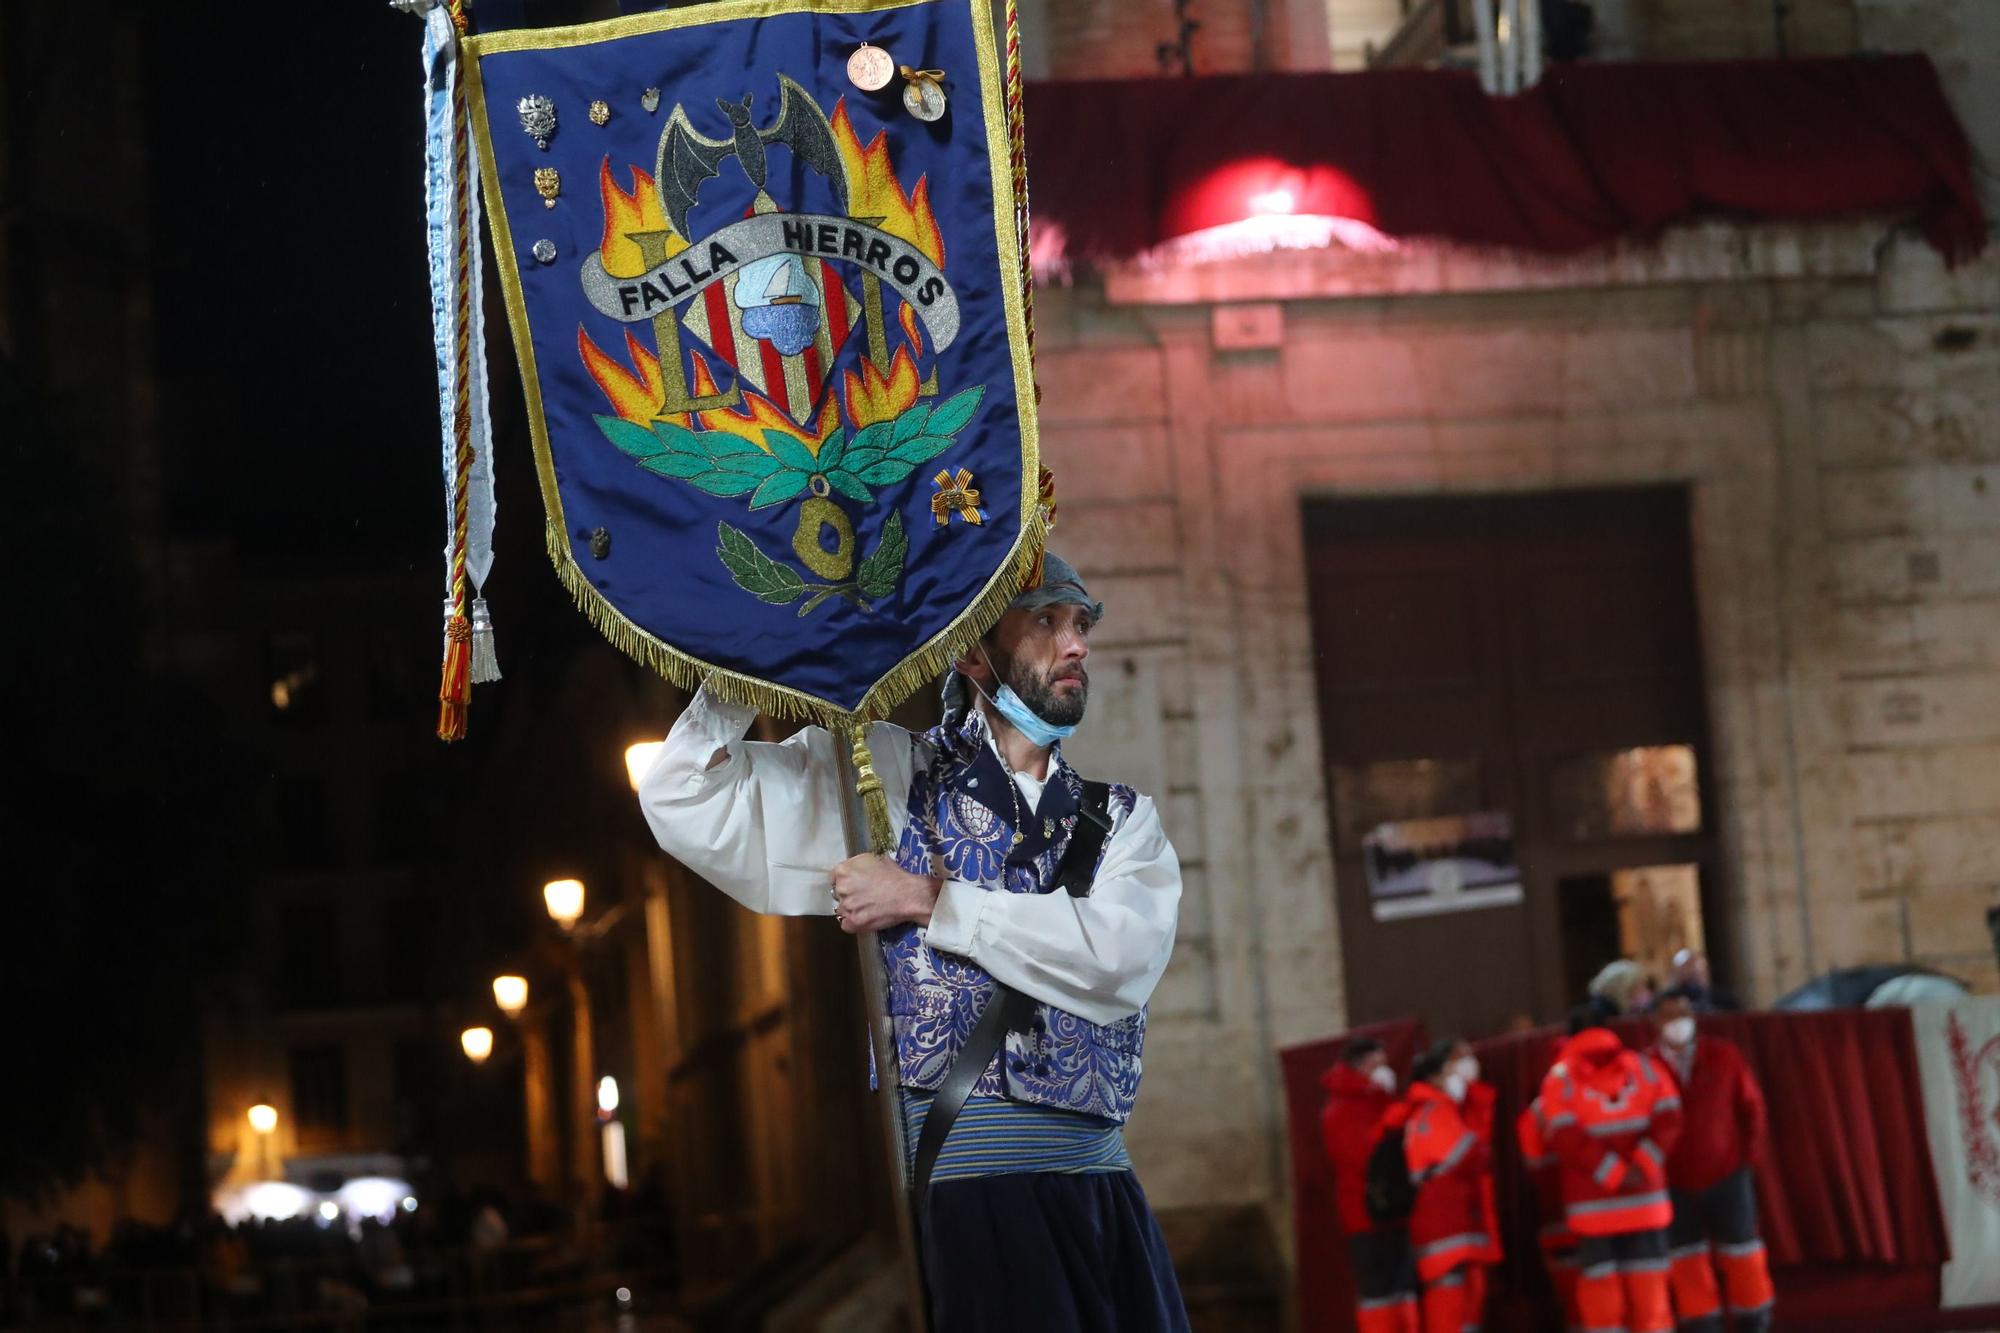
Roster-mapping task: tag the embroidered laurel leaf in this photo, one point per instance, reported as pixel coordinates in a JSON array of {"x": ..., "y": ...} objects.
[
  {"x": 951, "y": 416},
  {"x": 726, "y": 483},
  {"x": 631, "y": 439},
  {"x": 683, "y": 466},
  {"x": 832, "y": 450},
  {"x": 755, "y": 572},
  {"x": 849, "y": 485},
  {"x": 723, "y": 447},
  {"x": 882, "y": 570},
  {"x": 791, "y": 452},
  {"x": 921, "y": 450},
  {"x": 677, "y": 437},
  {"x": 779, "y": 487},
  {"x": 877, "y": 437},
  {"x": 911, "y": 423},
  {"x": 880, "y": 471}
]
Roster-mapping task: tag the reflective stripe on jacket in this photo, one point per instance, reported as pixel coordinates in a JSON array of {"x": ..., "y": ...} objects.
[
  {"x": 1450, "y": 1164},
  {"x": 1611, "y": 1116}
]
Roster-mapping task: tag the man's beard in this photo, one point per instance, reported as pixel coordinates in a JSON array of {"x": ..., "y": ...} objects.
[{"x": 1058, "y": 710}]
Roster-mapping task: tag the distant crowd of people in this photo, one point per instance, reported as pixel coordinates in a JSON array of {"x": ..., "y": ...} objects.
[
  {"x": 60, "y": 1274},
  {"x": 1641, "y": 1162}
]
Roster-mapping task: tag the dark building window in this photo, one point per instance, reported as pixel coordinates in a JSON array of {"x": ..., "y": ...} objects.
[
  {"x": 394, "y": 690},
  {"x": 319, "y": 1094},
  {"x": 407, "y": 816},
  {"x": 311, "y": 957},
  {"x": 303, "y": 831},
  {"x": 295, "y": 679}
]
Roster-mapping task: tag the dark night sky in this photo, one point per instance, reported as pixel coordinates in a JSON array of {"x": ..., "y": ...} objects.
[{"x": 294, "y": 340}]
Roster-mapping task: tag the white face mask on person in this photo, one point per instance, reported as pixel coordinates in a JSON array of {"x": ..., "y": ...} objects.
[
  {"x": 1038, "y": 730},
  {"x": 1383, "y": 1077},
  {"x": 1467, "y": 1068},
  {"x": 1677, "y": 1031},
  {"x": 1454, "y": 1085}
]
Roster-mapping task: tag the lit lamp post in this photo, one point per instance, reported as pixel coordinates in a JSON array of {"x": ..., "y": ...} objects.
[
  {"x": 639, "y": 758},
  {"x": 263, "y": 1121},
  {"x": 478, "y": 1044},
  {"x": 511, "y": 994},
  {"x": 616, "y": 1171},
  {"x": 564, "y": 899}
]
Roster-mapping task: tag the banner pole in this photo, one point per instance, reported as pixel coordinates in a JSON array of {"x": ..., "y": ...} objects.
[{"x": 882, "y": 1041}]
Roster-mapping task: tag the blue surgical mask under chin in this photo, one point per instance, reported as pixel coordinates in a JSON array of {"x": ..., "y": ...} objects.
[{"x": 1027, "y": 721}]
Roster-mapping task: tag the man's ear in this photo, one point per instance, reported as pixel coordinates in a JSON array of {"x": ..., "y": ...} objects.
[{"x": 972, "y": 664}]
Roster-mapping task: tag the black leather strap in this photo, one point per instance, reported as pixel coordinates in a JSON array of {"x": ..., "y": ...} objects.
[
  {"x": 1086, "y": 841},
  {"x": 1009, "y": 1010}
]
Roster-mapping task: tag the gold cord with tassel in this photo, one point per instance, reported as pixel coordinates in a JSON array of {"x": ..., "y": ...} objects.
[{"x": 881, "y": 838}]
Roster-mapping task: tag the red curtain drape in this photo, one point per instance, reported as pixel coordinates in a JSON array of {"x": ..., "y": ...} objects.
[
  {"x": 1594, "y": 153},
  {"x": 1846, "y": 1191}
]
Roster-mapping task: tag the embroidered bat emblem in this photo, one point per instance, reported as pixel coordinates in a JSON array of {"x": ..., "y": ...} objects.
[{"x": 688, "y": 157}]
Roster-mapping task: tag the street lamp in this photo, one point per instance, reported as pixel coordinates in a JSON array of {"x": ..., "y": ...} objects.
[
  {"x": 478, "y": 1044},
  {"x": 511, "y": 994},
  {"x": 639, "y": 758},
  {"x": 263, "y": 1117},
  {"x": 564, "y": 898},
  {"x": 607, "y": 1095}
]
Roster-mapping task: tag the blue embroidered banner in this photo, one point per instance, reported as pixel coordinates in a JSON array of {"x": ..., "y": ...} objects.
[{"x": 770, "y": 329}]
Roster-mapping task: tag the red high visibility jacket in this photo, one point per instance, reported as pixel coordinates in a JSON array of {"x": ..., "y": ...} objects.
[
  {"x": 1544, "y": 1172},
  {"x": 1450, "y": 1162},
  {"x": 1722, "y": 1116},
  {"x": 1350, "y": 1124},
  {"x": 1612, "y": 1116}
]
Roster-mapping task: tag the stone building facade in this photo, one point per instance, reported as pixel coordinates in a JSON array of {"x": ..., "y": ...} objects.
[{"x": 1830, "y": 398}]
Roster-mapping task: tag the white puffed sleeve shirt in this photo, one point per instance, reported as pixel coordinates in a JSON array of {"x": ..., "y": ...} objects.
[{"x": 764, "y": 826}]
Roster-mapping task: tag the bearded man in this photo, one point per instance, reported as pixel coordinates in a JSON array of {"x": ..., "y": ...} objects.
[{"x": 1025, "y": 917}]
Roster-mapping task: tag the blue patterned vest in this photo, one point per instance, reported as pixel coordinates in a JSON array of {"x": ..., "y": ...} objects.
[{"x": 961, "y": 810}]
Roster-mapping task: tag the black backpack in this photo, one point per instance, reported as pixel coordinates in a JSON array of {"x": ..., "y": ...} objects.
[{"x": 1390, "y": 1194}]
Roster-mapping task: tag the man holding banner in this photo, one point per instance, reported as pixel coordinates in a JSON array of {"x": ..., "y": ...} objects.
[
  {"x": 781, "y": 397},
  {"x": 1026, "y": 916}
]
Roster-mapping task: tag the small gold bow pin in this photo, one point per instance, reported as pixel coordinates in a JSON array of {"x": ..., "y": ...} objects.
[{"x": 955, "y": 496}]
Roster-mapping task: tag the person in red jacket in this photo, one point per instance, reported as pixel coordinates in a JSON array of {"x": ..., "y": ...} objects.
[
  {"x": 1611, "y": 1116},
  {"x": 1556, "y": 1240},
  {"x": 1360, "y": 1090},
  {"x": 1709, "y": 1176},
  {"x": 1447, "y": 1124}
]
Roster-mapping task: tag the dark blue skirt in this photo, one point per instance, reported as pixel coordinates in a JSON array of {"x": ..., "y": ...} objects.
[{"x": 1049, "y": 1253}]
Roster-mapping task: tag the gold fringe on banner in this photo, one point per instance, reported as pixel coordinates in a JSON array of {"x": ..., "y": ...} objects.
[{"x": 912, "y": 674}]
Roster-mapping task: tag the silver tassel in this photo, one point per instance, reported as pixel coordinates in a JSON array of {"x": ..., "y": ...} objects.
[{"x": 485, "y": 666}]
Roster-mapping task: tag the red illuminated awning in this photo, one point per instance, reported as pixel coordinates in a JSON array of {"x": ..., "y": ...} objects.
[{"x": 1597, "y": 152}]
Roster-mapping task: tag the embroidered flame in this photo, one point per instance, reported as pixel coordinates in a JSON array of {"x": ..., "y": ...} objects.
[
  {"x": 636, "y": 393},
  {"x": 874, "y": 192},
  {"x": 760, "y": 414},
  {"x": 626, "y": 213},
  {"x": 873, "y": 397},
  {"x": 635, "y": 397}
]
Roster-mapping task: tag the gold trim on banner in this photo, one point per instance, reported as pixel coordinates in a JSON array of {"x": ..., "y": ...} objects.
[{"x": 683, "y": 669}]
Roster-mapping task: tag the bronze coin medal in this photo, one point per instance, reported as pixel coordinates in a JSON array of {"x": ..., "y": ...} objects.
[
  {"x": 761, "y": 329},
  {"x": 870, "y": 68}
]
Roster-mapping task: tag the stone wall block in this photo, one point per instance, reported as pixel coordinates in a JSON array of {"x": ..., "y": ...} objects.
[
  {"x": 1503, "y": 372},
  {"x": 1867, "y": 502},
  {"x": 1908, "y": 783},
  {"x": 1953, "y": 849},
  {"x": 1095, "y": 384},
  {"x": 1363, "y": 378},
  {"x": 1119, "y": 539},
  {"x": 1108, "y": 462},
  {"x": 1968, "y": 497},
  {"x": 1940, "y": 710}
]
